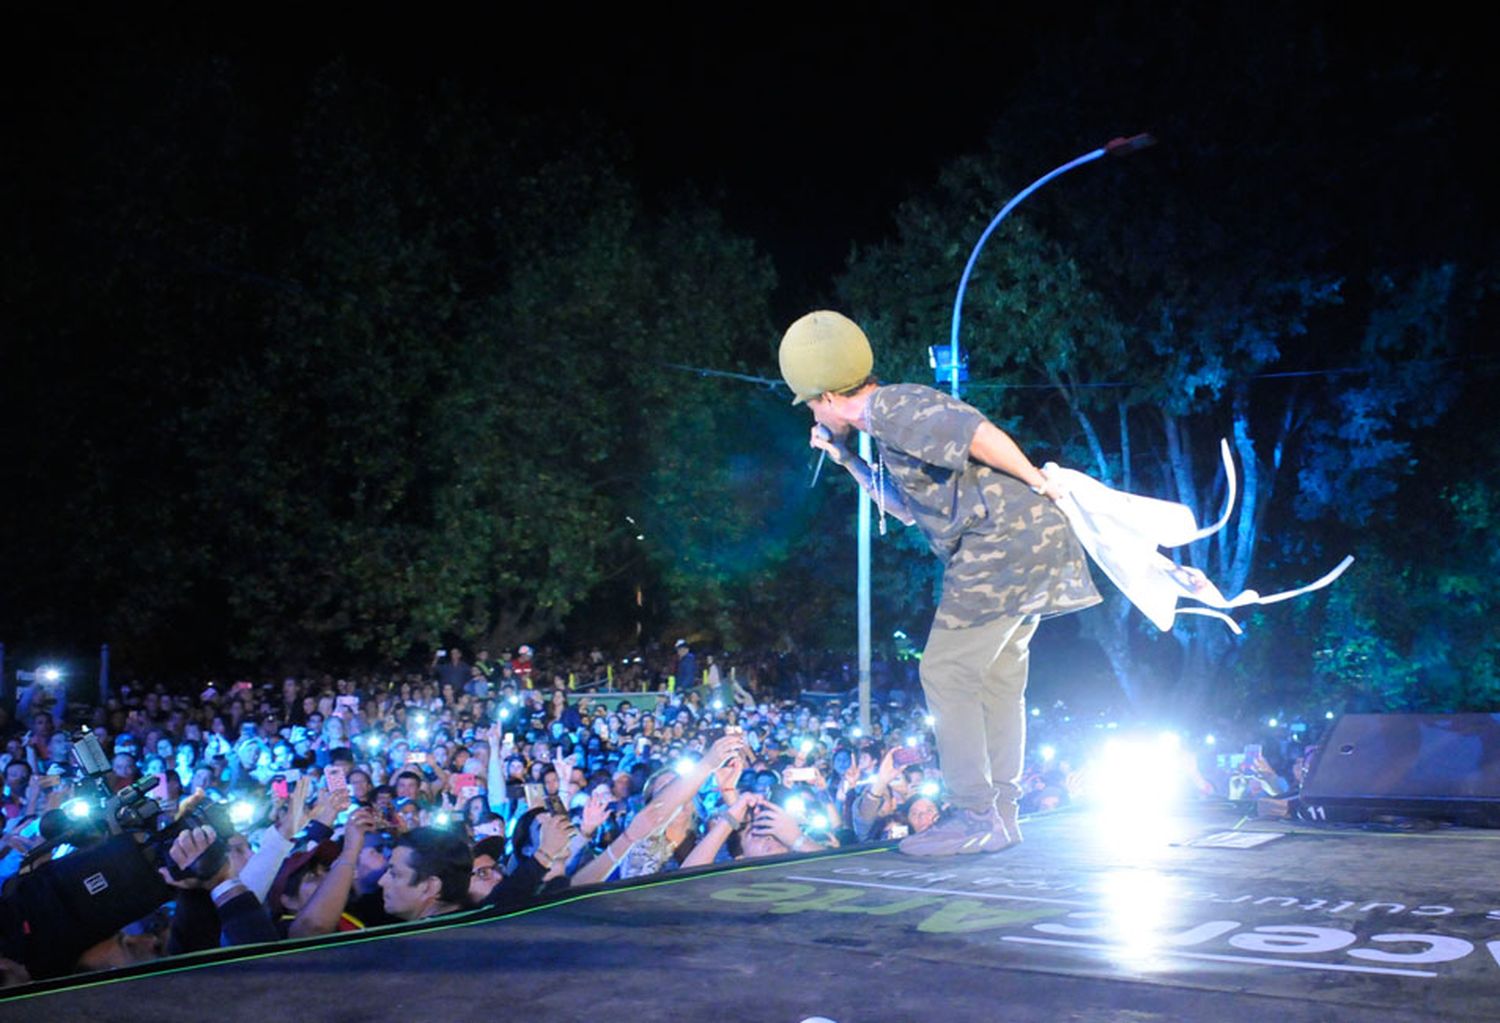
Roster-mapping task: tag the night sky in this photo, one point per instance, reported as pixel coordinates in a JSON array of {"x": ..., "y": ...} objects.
[{"x": 807, "y": 126}]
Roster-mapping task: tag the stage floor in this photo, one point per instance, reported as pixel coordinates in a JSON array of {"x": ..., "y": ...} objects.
[{"x": 1178, "y": 918}]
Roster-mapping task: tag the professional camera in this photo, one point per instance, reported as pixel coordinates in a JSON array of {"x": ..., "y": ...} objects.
[{"x": 58, "y": 906}]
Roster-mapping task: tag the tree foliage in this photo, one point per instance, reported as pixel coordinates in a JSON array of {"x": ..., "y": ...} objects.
[
  {"x": 401, "y": 376},
  {"x": 1132, "y": 315}
]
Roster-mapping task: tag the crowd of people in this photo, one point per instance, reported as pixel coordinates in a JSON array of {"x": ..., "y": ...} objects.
[{"x": 310, "y": 806}]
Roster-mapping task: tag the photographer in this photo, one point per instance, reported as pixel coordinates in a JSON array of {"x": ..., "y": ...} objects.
[
  {"x": 875, "y": 805},
  {"x": 1255, "y": 779},
  {"x": 218, "y": 909},
  {"x": 351, "y": 885},
  {"x": 544, "y": 844},
  {"x": 651, "y": 842},
  {"x": 751, "y": 828}
]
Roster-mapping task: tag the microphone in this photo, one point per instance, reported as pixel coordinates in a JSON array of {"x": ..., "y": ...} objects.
[
  {"x": 1126, "y": 146},
  {"x": 822, "y": 454}
]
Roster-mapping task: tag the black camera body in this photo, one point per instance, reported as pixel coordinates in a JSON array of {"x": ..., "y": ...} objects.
[{"x": 52, "y": 913}]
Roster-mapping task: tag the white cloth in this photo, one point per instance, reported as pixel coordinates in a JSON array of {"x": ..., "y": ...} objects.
[
  {"x": 1123, "y": 533},
  {"x": 260, "y": 873}
]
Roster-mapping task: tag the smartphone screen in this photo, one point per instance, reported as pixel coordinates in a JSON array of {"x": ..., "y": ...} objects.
[
  {"x": 908, "y": 755},
  {"x": 279, "y": 789},
  {"x": 334, "y": 775}
]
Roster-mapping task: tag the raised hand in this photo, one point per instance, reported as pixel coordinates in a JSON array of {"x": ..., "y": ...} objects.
[
  {"x": 727, "y": 776},
  {"x": 330, "y": 805},
  {"x": 772, "y": 820},
  {"x": 595, "y": 813},
  {"x": 727, "y": 746},
  {"x": 557, "y": 833},
  {"x": 361, "y": 822},
  {"x": 190, "y": 844},
  {"x": 295, "y": 818},
  {"x": 652, "y": 816},
  {"x": 743, "y": 807}
]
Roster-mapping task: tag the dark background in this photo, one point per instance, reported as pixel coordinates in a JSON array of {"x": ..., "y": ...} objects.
[{"x": 804, "y": 130}]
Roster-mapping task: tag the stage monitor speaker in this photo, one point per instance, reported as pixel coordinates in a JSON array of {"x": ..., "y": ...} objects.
[{"x": 1408, "y": 765}]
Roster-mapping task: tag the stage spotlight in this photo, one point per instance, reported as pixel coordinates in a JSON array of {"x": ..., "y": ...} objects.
[
  {"x": 1209, "y": 740},
  {"x": 1272, "y": 723},
  {"x": 1048, "y": 754},
  {"x": 1328, "y": 715},
  {"x": 1133, "y": 783}
]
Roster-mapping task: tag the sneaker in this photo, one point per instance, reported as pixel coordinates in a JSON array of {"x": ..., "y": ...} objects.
[
  {"x": 959, "y": 832},
  {"x": 1005, "y": 829}
]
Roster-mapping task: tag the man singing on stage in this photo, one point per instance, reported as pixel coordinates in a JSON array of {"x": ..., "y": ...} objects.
[{"x": 1009, "y": 560}]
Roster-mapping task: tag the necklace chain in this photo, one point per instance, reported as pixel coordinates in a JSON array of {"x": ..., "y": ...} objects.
[{"x": 879, "y": 468}]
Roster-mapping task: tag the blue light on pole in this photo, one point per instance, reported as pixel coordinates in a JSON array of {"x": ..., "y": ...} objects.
[{"x": 940, "y": 358}]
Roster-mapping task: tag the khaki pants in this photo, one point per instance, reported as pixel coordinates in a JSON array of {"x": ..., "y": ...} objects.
[{"x": 975, "y": 682}]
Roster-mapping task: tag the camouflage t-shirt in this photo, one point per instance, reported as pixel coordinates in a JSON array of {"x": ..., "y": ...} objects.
[{"x": 1006, "y": 551}]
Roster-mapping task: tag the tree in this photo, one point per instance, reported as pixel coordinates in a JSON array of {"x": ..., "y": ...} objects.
[
  {"x": 394, "y": 373},
  {"x": 1148, "y": 310}
]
